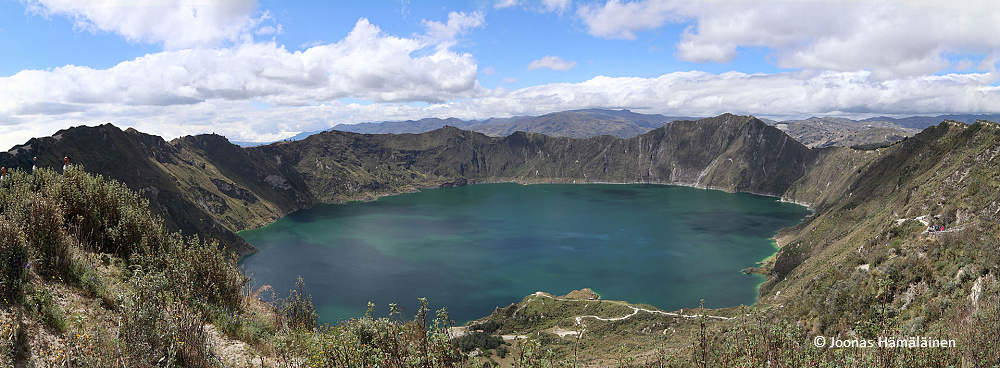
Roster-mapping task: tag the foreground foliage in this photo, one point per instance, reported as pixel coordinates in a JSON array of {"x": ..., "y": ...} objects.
[{"x": 91, "y": 278}]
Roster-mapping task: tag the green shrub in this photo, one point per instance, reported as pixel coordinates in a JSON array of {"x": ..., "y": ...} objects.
[
  {"x": 297, "y": 309},
  {"x": 490, "y": 326},
  {"x": 87, "y": 350},
  {"x": 39, "y": 301},
  {"x": 47, "y": 236},
  {"x": 156, "y": 329},
  {"x": 107, "y": 215},
  {"x": 483, "y": 341},
  {"x": 87, "y": 278},
  {"x": 202, "y": 270},
  {"x": 14, "y": 255},
  {"x": 381, "y": 342}
]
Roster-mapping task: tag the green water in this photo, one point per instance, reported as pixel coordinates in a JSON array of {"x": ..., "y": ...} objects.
[{"x": 478, "y": 247}]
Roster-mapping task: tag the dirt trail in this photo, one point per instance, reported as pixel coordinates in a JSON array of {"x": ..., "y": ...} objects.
[{"x": 635, "y": 310}]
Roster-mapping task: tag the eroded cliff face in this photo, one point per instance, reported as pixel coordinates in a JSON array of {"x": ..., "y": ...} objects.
[
  {"x": 205, "y": 185},
  {"x": 736, "y": 153}
]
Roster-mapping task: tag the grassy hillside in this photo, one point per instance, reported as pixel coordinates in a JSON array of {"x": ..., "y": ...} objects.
[
  {"x": 183, "y": 186},
  {"x": 91, "y": 278},
  {"x": 865, "y": 265},
  {"x": 946, "y": 175}
]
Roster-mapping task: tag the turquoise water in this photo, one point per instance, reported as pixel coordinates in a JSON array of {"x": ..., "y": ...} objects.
[{"x": 478, "y": 247}]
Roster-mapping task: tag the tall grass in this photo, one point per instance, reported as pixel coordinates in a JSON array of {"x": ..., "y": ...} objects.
[{"x": 78, "y": 234}]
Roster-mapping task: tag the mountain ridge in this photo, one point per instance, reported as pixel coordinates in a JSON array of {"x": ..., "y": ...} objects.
[
  {"x": 206, "y": 185},
  {"x": 583, "y": 123}
]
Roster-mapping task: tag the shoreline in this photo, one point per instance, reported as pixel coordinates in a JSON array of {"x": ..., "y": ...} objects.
[{"x": 370, "y": 197}]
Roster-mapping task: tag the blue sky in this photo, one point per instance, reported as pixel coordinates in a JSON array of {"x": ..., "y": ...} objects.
[{"x": 265, "y": 70}]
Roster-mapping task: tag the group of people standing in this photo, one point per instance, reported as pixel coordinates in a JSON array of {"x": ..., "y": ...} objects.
[{"x": 34, "y": 166}]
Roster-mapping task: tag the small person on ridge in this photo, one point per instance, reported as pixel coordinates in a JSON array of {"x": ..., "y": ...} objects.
[
  {"x": 3, "y": 172},
  {"x": 34, "y": 164},
  {"x": 65, "y": 164}
]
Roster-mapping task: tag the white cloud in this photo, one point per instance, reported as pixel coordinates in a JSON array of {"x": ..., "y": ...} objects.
[
  {"x": 551, "y": 62},
  {"x": 890, "y": 38},
  {"x": 784, "y": 95},
  {"x": 311, "y": 44},
  {"x": 500, "y": 4},
  {"x": 458, "y": 24},
  {"x": 367, "y": 64},
  {"x": 269, "y": 30},
  {"x": 174, "y": 23},
  {"x": 539, "y": 6},
  {"x": 508, "y": 80},
  {"x": 558, "y": 6},
  {"x": 490, "y": 70},
  {"x": 262, "y": 91},
  {"x": 617, "y": 19}
]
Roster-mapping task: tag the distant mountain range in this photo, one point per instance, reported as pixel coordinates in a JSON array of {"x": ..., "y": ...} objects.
[
  {"x": 840, "y": 132},
  {"x": 814, "y": 132},
  {"x": 573, "y": 124},
  {"x": 865, "y": 133}
]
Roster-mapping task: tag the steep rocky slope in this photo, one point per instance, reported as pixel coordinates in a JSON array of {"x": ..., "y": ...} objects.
[
  {"x": 867, "y": 253},
  {"x": 839, "y": 132},
  {"x": 728, "y": 152},
  {"x": 206, "y": 185}
]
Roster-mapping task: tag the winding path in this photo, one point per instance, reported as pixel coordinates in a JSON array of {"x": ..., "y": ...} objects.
[{"x": 635, "y": 310}]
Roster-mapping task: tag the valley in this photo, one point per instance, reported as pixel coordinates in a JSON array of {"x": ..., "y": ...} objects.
[{"x": 850, "y": 268}]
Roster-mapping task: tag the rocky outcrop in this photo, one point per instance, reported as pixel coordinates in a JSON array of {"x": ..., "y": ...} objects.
[{"x": 209, "y": 186}]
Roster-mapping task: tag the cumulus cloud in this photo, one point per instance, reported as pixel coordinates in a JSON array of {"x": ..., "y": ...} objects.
[
  {"x": 174, "y": 23},
  {"x": 617, "y": 19},
  {"x": 458, "y": 24},
  {"x": 367, "y": 64},
  {"x": 890, "y": 38},
  {"x": 551, "y": 62}
]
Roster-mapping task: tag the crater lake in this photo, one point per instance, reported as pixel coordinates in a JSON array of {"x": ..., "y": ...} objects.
[{"x": 473, "y": 248}]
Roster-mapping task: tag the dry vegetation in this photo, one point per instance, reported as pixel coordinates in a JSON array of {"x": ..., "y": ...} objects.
[{"x": 91, "y": 279}]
